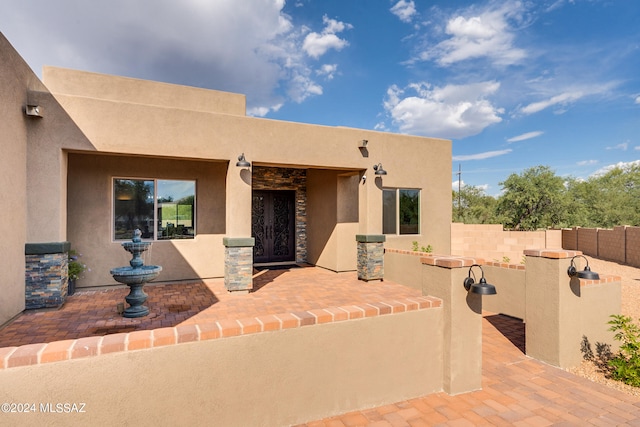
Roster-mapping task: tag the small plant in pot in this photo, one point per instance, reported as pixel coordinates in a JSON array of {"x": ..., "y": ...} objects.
[{"x": 76, "y": 268}]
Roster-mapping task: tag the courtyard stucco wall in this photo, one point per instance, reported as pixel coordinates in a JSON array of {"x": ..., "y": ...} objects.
[{"x": 275, "y": 378}]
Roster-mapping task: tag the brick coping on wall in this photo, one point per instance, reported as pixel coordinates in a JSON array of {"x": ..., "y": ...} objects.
[
  {"x": 34, "y": 354},
  {"x": 453, "y": 261}
]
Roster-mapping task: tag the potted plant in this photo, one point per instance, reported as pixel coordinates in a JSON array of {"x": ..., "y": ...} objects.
[{"x": 76, "y": 268}]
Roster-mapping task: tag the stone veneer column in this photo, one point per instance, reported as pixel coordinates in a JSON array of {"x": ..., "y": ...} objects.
[
  {"x": 238, "y": 263},
  {"x": 46, "y": 275},
  {"x": 370, "y": 256},
  {"x": 443, "y": 277},
  {"x": 561, "y": 310}
]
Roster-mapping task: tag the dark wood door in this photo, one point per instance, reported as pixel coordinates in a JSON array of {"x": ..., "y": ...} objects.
[{"x": 273, "y": 226}]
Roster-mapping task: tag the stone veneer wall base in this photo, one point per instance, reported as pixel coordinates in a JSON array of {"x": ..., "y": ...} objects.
[
  {"x": 46, "y": 274},
  {"x": 370, "y": 256}
]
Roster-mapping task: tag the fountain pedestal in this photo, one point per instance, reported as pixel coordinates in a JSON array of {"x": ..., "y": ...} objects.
[{"x": 135, "y": 276}]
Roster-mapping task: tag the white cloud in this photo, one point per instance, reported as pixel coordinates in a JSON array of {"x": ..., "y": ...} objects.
[
  {"x": 622, "y": 146},
  {"x": 587, "y": 162},
  {"x": 252, "y": 47},
  {"x": 452, "y": 111},
  {"x": 637, "y": 101},
  {"x": 328, "y": 70},
  {"x": 637, "y": 147},
  {"x": 457, "y": 184},
  {"x": 481, "y": 156},
  {"x": 562, "y": 99},
  {"x": 404, "y": 10},
  {"x": 488, "y": 33},
  {"x": 525, "y": 136},
  {"x": 619, "y": 165},
  {"x": 317, "y": 44}
]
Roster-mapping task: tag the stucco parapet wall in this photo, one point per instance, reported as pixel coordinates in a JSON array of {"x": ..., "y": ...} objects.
[
  {"x": 450, "y": 261},
  {"x": 58, "y": 351},
  {"x": 552, "y": 253}
]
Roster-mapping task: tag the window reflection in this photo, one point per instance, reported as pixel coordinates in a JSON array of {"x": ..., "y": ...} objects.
[{"x": 143, "y": 204}]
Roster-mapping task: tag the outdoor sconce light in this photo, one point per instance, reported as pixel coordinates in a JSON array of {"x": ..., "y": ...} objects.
[
  {"x": 482, "y": 288},
  {"x": 572, "y": 271},
  {"x": 242, "y": 162},
  {"x": 33, "y": 111},
  {"x": 379, "y": 170},
  {"x": 363, "y": 143}
]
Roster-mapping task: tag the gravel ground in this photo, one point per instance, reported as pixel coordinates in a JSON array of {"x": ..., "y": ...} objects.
[{"x": 630, "y": 307}]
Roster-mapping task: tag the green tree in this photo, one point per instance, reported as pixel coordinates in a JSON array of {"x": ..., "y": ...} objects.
[
  {"x": 535, "y": 199},
  {"x": 473, "y": 206}
]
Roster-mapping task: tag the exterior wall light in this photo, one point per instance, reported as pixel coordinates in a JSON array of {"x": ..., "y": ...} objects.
[
  {"x": 482, "y": 288},
  {"x": 587, "y": 274},
  {"x": 242, "y": 162},
  {"x": 33, "y": 111},
  {"x": 379, "y": 170}
]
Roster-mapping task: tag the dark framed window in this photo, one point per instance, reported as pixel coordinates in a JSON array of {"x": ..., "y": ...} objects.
[
  {"x": 400, "y": 211},
  {"x": 161, "y": 209}
]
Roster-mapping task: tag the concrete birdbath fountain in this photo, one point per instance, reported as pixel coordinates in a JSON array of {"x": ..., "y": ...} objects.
[{"x": 136, "y": 276}]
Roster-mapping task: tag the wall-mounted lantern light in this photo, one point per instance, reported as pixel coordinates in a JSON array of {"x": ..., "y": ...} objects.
[
  {"x": 363, "y": 143},
  {"x": 587, "y": 274},
  {"x": 33, "y": 111},
  {"x": 379, "y": 170},
  {"x": 242, "y": 162},
  {"x": 482, "y": 288}
]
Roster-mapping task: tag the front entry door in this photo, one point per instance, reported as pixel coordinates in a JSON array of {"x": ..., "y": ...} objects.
[{"x": 273, "y": 226}]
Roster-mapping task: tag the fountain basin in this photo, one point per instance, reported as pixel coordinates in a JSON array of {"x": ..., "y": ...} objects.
[{"x": 134, "y": 276}]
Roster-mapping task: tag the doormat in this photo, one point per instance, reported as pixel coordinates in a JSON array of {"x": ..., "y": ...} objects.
[{"x": 276, "y": 267}]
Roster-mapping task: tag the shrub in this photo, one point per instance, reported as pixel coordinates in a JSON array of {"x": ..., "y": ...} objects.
[
  {"x": 414, "y": 246},
  {"x": 626, "y": 364}
]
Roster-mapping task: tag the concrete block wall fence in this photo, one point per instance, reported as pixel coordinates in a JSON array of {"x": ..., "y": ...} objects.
[{"x": 620, "y": 244}]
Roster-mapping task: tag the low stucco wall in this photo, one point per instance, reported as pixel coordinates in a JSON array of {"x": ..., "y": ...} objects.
[
  {"x": 358, "y": 359},
  {"x": 509, "y": 280},
  {"x": 404, "y": 267}
]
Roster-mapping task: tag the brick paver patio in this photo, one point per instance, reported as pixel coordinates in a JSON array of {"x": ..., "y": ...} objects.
[{"x": 516, "y": 390}]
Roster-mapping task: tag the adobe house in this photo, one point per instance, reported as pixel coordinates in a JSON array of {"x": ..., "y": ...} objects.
[{"x": 88, "y": 158}]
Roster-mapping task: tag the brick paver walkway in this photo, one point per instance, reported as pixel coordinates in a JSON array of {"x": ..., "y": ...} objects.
[{"x": 516, "y": 391}]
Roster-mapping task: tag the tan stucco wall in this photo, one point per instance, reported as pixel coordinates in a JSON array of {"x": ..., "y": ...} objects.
[
  {"x": 91, "y": 220},
  {"x": 510, "y": 284},
  {"x": 15, "y": 80},
  {"x": 267, "y": 379},
  {"x": 404, "y": 268},
  {"x": 332, "y": 219},
  {"x": 117, "y": 122}
]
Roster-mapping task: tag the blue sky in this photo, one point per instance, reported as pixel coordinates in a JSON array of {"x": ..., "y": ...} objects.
[{"x": 514, "y": 84}]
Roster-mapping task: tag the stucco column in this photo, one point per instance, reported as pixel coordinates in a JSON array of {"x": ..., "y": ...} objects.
[
  {"x": 443, "y": 277},
  {"x": 238, "y": 251},
  {"x": 238, "y": 215},
  {"x": 553, "y": 331},
  {"x": 561, "y": 310}
]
